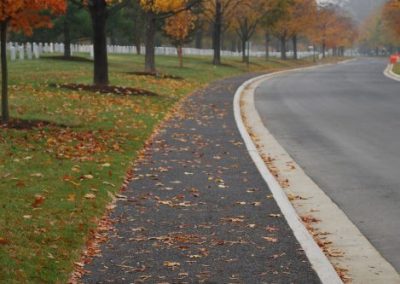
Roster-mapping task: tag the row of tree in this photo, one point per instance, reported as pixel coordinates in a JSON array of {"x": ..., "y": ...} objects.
[
  {"x": 380, "y": 33},
  {"x": 322, "y": 26}
]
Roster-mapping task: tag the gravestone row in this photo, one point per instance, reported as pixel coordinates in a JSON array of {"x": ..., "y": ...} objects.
[{"x": 35, "y": 50}]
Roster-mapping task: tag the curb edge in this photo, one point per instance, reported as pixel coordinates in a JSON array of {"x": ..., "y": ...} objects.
[{"x": 319, "y": 261}]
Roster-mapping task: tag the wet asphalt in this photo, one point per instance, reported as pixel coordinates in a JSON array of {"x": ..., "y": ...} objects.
[{"x": 197, "y": 210}]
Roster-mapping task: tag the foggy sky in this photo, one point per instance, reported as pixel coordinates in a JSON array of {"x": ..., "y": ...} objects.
[{"x": 359, "y": 8}]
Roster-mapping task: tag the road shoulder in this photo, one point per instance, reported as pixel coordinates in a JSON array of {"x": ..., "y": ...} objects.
[{"x": 349, "y": 251}]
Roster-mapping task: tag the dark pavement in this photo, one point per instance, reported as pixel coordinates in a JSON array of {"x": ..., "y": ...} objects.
[
  {"x": 342, "y": 125},
  {"x": 198, "y": 211}
]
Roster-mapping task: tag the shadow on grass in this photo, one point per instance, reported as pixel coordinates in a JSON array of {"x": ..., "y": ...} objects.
[
  {"x": 115, "y": 90},
  {"x": 156, "y": 75},
  {"x": 29, "y": 124},
  {"x": 70, "y": 59}
]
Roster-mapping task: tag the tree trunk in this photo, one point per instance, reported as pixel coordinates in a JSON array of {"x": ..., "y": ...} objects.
[
  {"x": 199, "y": 38},
  {"x": 217, "y": 33},
  {"x": 283, "y": 47},
  {"x": 244, "y": 55},
  {"x": 180, "y": 56},
  {"x": 267, "y": 39},
  {"x": 294, "y": 39},
  {"x": 5, "y": 116},
  {"x": 138, "y": 37},
  {"x": 99, "y": 20},
  {"x": 67, "y": 40},
  {"x": 314, "y": 54},
  {"x": 151, "y": 29},
  {"x": 323, "y": 49},
  {"x": 138, "y": 47}
]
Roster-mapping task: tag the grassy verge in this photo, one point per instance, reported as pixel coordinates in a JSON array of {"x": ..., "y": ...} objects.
[
  {"x": 56, "y": 180},
  {"x": 396, "y": 68}
]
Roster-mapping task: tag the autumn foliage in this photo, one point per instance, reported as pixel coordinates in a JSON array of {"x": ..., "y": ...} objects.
[
  {"x": 25, "y": 15},
  {"x": 21, "y": 15},
  {"x": 391, "y": 16},
  {"x": 178, "y": 29}
]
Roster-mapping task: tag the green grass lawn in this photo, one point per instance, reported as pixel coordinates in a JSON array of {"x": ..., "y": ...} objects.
[
  {"x": 56, "y": 180},
  {"x": 396, "y": 68}
]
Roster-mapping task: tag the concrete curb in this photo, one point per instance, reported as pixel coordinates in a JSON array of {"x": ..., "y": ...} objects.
[
  {"x": 319, "y": 261},
  {"x": 363, "y": 261},
  {"x": 390, "y": 74}
]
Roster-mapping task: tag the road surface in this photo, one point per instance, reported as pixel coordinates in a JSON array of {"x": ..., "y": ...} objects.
[{"x": 341, "y": 123}]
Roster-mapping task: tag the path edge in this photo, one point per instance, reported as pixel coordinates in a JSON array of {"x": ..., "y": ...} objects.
[
  {"x": 390, "y": 74},
  {"x": 319, "y": 261}
]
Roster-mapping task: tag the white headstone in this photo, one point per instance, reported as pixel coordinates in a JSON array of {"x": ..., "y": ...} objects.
[
  {"x": 29, "y": 51},
  {"x": 13, "y": 53},
  {"x": 91, "y": 52},
  {"x": 21, "y": 52},
  {"x": 36, "y": 51}
]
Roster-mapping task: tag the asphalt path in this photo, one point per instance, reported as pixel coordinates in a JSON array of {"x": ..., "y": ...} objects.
[
  {"x": 198, "y": 210},
  {"x": 341, "y": 123}
]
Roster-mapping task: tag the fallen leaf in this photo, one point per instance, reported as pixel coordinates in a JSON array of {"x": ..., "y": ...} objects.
[
  {"x": 37, "y": 175},
  {"x": 39, "y": 199},
  {"x": 171, "y": 264},
  {"x": 88, "y": 176},
  {"x": 3, "y": 241},
  {"x": 271, "y": 240},
  {"x": 90, "y": 196}
]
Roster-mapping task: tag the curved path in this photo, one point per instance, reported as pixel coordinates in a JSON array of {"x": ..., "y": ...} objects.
[
  {"x": 198, "y": 210},
  {"x": 341, "y": 123}
]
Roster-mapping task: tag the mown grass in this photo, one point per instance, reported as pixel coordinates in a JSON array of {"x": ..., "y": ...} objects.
[{"x": 56, "y": 181}]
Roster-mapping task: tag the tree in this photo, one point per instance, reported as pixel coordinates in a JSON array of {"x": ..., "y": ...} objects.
[
  {"x": 220, "y": 14},
  {"x": 156, "y": 10},
  {"x": 377, "y": 33},
  {"x": 333, "y": 28},
  {"x": 301, "y": 15},
  {"x": 246, "y": 18},
  {"x": 69, "y": 23},
  {"x": 391, "y": 16},
  {"x": 21, "y": 15},
  {"x": 100, "y": 11},
  {"x": 281, "y": 10},
  {"x": 178, "y": 28}
]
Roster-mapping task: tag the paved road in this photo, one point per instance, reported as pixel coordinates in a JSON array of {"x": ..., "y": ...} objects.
[{"x": 342, "y": 125}]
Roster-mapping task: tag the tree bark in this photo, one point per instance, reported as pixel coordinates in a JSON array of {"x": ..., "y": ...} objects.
[
  {"x": 294, "y": 39},
  {"x": 151, "y": 29},
  {"x": 283, "y": 47},
  {"x": 138, "y": 47},
  {"x": 5, "y": 116},
  {"x": 67, "y": 40},
  {"x": 217, "y": 33},
  {"x": 180, "y": 56},
  {"x": 138, "y": 27},
  {"x": 267, "y": 39},
  {"x": 99, "y": 20},
  {"x": 244, "y": 50},
  {"x": 323, "y": 49}
]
